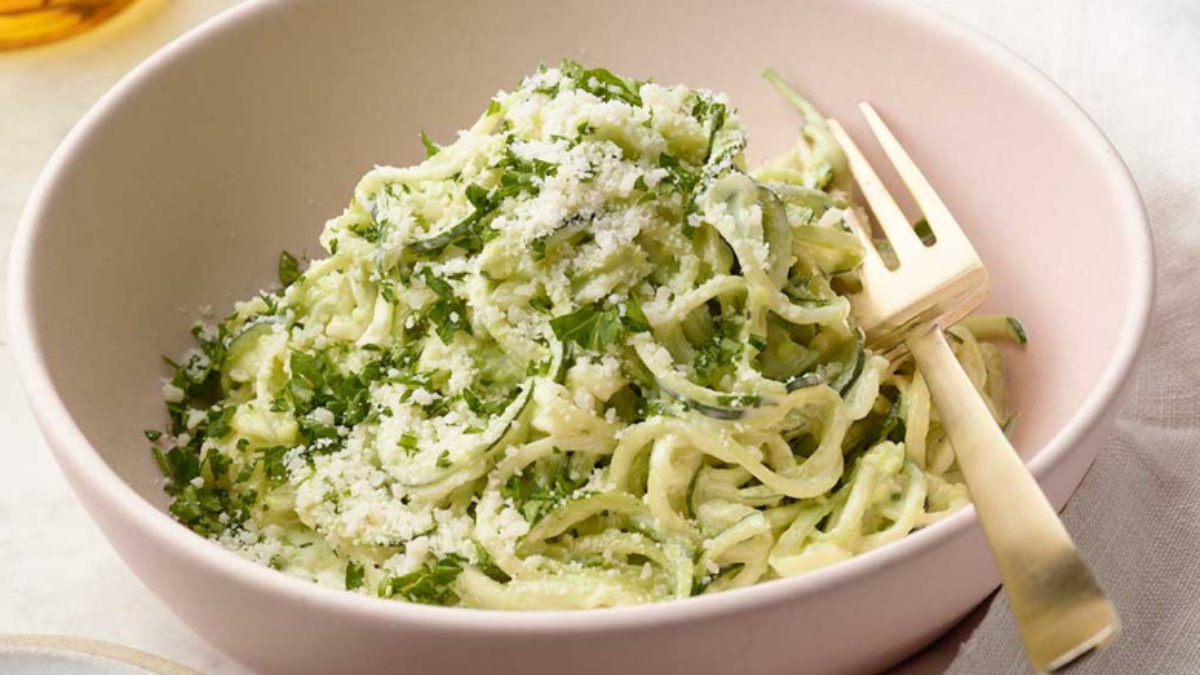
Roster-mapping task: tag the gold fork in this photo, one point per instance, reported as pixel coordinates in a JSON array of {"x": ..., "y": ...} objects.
[{"x": 1060, "y": 609}]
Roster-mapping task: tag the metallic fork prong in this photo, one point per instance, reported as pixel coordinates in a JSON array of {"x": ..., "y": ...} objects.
[
  {"x": 945, "y": 228},
  {"x": 896, "y": 227}
]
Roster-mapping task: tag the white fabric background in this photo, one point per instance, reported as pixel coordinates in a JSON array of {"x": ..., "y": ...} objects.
[{"x": 1133, "y": 65}]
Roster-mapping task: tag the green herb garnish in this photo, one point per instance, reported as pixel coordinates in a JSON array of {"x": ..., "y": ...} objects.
[
  {"x": 603, "y": 83},
  {"x": 408, "y": 442},
  {"x": 588, "y": 327},
  {"x": 289, "y": 268},
  {"x": 449, "y": 313},
  {"x": 429, "y": 585},
  {"x": 635, "y": 319},
  {"x": 354, "y": 575},
  {"x": 431, "y": 148},
  {"x": 535, "y": 494}
]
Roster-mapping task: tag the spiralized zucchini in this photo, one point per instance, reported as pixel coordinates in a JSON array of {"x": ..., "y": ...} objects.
[{"x": 578, "y": 357}]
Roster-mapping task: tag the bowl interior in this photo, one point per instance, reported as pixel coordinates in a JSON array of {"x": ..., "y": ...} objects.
[{"x": 186, "y": 185}]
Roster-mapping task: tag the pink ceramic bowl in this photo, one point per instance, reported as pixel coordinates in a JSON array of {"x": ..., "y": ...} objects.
[{"x": 179, "y": 188}]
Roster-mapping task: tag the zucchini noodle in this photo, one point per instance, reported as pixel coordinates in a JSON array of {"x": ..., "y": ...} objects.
[{"x": 579, "y": 357}]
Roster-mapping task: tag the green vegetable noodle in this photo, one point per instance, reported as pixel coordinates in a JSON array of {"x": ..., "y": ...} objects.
[{"x": 581, "y": 356}]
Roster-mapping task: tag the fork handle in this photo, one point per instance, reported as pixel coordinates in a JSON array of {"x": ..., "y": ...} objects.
[{"x": 1059, "y": 607}]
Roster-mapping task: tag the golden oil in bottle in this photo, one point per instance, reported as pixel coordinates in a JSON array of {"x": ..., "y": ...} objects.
[{"x": 25, "y": 23}]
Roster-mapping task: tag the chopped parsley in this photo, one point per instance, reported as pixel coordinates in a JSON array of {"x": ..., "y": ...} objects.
[
  {"x": 431, "y": 148},
  {"x": 521, "y": 176},
  {"x": 449, "y": 313},
  {"x": 588, "y": 327},
  {"x": 274, "y": 466},
  {"x": 683, "y": 181},
  {"x": 370, "y": 231},
  {"x": 427, "y": 585},
  {"x": 289, "y": 268},
  {"x": 470, "y": 233},
  {"x": 408, "y": 442},
  {"x": 317, "y": 383},
  {"x": 205, "y": 507},
  {"x": 535, "y": 494},
  {"x": 634, "y": 318},
  {"x": 219, "y": 420},
  {"x": 711, "y": 114},
  {"x": 355, "y": 573},
  {"x": 481, "y": 407},
  {"x": 717, "y": 357},
  {"x": 603, "y": 83}
]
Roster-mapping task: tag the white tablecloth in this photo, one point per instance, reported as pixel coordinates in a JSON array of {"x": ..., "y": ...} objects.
[{"x": 1133, "y": 65}]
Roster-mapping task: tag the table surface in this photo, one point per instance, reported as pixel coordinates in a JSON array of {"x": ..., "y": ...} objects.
[{"x": 59, "y": 575}]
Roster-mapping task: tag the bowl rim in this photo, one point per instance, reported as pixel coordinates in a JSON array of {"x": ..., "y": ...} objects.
[
  {"x": 73, "y": 648},
  {"x": 75, "y": 453}
]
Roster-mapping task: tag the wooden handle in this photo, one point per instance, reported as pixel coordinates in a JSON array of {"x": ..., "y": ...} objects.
[{"x": 1059, "y": 607}]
